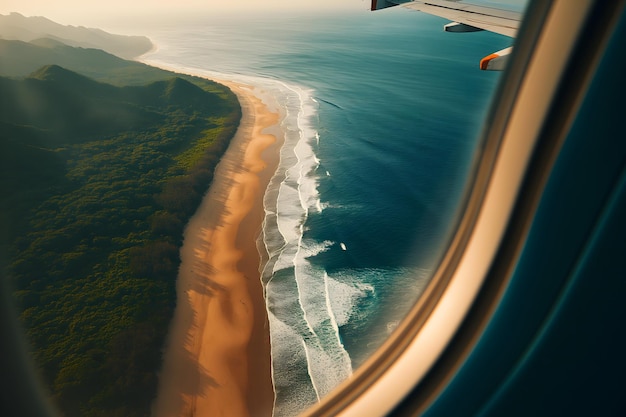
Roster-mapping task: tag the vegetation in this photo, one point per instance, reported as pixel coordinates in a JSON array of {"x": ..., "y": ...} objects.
[
  {"x": 98, "y": 182},
  {"x": 21, "y": 58}
]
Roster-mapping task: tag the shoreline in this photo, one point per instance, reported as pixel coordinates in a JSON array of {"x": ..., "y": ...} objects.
[{"x": 219, "y": 289}]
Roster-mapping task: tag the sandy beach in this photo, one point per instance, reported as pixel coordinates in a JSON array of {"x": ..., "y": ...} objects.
[{"x": 217, "y": 359}]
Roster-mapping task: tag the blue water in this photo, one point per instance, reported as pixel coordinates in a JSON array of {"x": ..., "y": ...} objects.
[{"x": 381, "y": 113}]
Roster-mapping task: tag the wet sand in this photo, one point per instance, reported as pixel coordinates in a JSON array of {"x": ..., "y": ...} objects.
[{"x": 217, "y": 359}]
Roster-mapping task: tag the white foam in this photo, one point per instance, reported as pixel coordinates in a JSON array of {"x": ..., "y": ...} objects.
[
  {"x": 307, "y": 316},
  {"x": 288, "y": 355},
  {"x": 344, "y": 297},
  {"x": 392, "y": 325},
  {"x": 312, "y": 248},
  {"x": 310, "y": 369},
  {"x": 329, "y": 307}
]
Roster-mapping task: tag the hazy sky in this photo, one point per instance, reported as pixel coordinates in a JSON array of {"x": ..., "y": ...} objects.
[
  {"x": 75, "y": 11},
  {"x": 106, "y": 13}
]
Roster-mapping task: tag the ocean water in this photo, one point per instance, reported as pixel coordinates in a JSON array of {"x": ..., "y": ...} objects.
[{"x": 382, "y": 114}]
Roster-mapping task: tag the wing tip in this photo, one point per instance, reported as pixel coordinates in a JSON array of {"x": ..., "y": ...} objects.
[
  {"x": 484, "y": 63},
  {"x": 496, "y": 61}
]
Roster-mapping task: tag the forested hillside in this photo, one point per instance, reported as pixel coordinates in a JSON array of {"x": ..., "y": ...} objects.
[
  {"x": 98, "y": 182},
  {"x": 21, "y": 58}
]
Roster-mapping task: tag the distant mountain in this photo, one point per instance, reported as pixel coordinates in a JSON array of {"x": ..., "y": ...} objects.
[
  {"x": 18, "y": 27},
  {"x": 19, "y": 59}
]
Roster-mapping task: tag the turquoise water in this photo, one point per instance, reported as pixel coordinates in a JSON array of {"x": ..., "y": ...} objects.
[{"x": 382, "y": 112}]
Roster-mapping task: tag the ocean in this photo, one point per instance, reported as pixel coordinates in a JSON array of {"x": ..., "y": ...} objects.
[{"x": 382, "y": 117}]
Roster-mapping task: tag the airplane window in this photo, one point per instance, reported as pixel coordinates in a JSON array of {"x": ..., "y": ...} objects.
[{"x": 177, "y": 245}]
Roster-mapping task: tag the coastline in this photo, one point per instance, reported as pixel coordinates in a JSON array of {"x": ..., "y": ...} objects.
[{"x": 223, "y": 366}]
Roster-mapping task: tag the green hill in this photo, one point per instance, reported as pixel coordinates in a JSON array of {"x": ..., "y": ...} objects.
[
  {"x": 73, "y": 108},
  {"x": 65, "y": 77},
  {"x": 176, "y": 92},
  {"x": 19, "y": 59},
  {"x": 98, "y": 182}
]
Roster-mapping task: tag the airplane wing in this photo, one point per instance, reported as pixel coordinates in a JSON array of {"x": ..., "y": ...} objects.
[{"x": 467, "y": 18}]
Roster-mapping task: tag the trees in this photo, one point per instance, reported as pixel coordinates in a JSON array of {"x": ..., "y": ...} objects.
[{"x": 94, "y": 244}]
